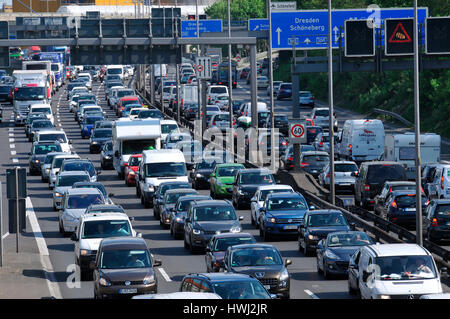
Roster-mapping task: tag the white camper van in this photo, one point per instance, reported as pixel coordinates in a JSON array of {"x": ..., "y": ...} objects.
[{"x": 402, "y": 148}]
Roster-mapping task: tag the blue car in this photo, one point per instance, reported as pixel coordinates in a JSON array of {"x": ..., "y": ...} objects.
[
  {"x": 128, "y": 108},
  {"x": 88, "y": 124},
  {"x": 284, "y": 91},
  {"x": 400, "y": 207},
  {"x": 282, "y": 214}
]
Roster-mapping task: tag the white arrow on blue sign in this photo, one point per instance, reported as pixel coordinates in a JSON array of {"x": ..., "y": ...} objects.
[
  {"x": 258, "y": 24},
  {"x": 310, "y": 28},
  {"x": 189, "y": 27}
]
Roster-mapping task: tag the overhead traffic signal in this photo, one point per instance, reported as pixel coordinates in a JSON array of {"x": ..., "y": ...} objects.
[
  {"x": 359, "y": 38},
  {"x": 437, "y": 35},
  {"x": 399, "y": 36}
]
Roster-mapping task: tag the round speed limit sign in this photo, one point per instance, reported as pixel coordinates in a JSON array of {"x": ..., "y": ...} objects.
[{"x": 297, "y": 133}]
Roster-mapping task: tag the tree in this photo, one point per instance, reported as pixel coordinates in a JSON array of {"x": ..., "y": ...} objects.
[{"x": 239, "y": 9}]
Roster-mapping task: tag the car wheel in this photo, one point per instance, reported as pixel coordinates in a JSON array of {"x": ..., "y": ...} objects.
[
  {"x": 326, "y": 275},
  {"x": 305, "y": 250},
  {"x": 261, "y": 233},
  {"x": 191, "y": 247},
  {"x": 351, "y": 291}
]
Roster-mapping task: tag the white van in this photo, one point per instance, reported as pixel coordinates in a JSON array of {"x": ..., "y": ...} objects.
[
  {"x": 54, "y": 135},
  {"x": 213, "y": 91},
  {"x": 43, "y": 108},
  {"x": 188, "y": 94},
  {"x": 361, "y": 140},
  {"x": 247, "y": 108},
  {"x": 440, "y": 186},
  {"x": 115, "y": 70},
  {"x": 402, "y": 148},
  {"x": 394, "y": 271},
  {"x": 156, "y": 167},
  {"x": 167, "y": 127}
]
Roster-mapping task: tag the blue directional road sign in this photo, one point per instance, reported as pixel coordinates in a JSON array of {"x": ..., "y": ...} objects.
[
  {"x": 189, "y": 27},
  {"x": 310, "y": 28},
  {"x": 258, "y": 24}
]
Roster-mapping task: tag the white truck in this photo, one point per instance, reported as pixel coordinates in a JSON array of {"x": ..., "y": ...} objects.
[
  {"x": 361, "y": 140},
  {"x": 159, "y": 69},
  {"x": 30, "y": 87},
  {"x": 42, "y": 65},
  {"x": 402, "y": 148},
  {"x": 133, "y": 137},
  {"x": 188, "y": 94}
]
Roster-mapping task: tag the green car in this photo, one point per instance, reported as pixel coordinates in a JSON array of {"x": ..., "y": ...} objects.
[{"x": 222, "y": 179}]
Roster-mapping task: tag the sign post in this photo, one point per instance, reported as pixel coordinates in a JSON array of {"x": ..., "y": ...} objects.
[{"x": 16, "y": 192}]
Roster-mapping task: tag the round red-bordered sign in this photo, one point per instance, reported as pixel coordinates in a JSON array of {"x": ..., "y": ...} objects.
[
  {"x": 297, "y": 130},
  {"x": 199, "y": 68}
]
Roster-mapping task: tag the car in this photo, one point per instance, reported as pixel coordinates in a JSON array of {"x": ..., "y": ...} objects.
[
  {"x": 214, "y": 90},
  {"x": 99, "y": 186},
  {"x": 343, "y": 179},
  {"x": 73, "y": 204},
  {"x": 91, "y": 229},
  {"x": 131, "y": 169},
  {"x": 127, "y": 110},
  {"x": 56, "y": 166},
  {"x": 65, "y": 181},
  {"x": 262, "y": 82},
  {"x": 427, "y": 175},
  {"x": 276, "y": 86},
  {"x": 218, "y": 245},
  {"x": 190, "y": 111},
  {"x": 124, "y": 266},
  {"x": 222, "y": 179},
  {"x": 371, "y": 178},
  {"x": 246, "y": 183},
  {"x": 202, "y": 171},
  {"x": 150, "y": 113},
  {"x": 436, "y": 220},
  {"x": 104, "y": 208},
  {"x": 98, "y": 138},
  {"x": 106, "y": 156},
  {"x": 39, "y": 125},
  {"x": 159, "y": 195},
  {"x": 281, "y": 123},
  {"x": 39, "y": 151},
  {"x": 306, "y": 98},
  {"x": 281, "y": 215},
  {"x": 178, "y": 214},
  {"x": 316, "y": 225},
  {"x": 287, "y": 159},
  {"x": 206, "y": 218},
  {"x": 220, "y": 120},
  {"x": 322, "y": 142},
  {"x": 321, "y": 117},
  {"x": 88, "y": 124},
  {"x": 80, "y": 165},
  {"x": 43, "y": 108},
  {"x": 226, "y": 285},
  {"x": 263, "y": 262},
  {"x": 312, "y": 132},
  {"x": 47, "y": 163},
  {"x": 284, "y": 91},
  {"x": 244, "y": 73},
  {"x": 52, "y": 136},
  {"x": 124, "y": 101},
  {"x": 5, "y": 93},
  {"x": 30, "y": 119},
  {"x": 333, "y": 253},
  {"x": 134, "y": 112},
  {"x": 257, "y": 201},
  {"x": 173, "y": 138},
  {"x": 392, "y": 186},
  {"x": 167, "y": 127},
  {"x": 399, "y": 208},
  {"x": 314, "y": 162},
  {"x": 103, "y": 124},
  {"x": 439, "y": 188},
  {"x": 265, "y": 146},
  {"x": 169, "y": 201},
  {"x": 399, "y": 267},
  {"x": 222, "y": 101}
]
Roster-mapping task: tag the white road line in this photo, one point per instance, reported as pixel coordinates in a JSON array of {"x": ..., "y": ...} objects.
[
  {"x": 11, "y": 140},
  {"x": 43, "y": 251},
  {"x": 313, "y": 296},
  {"x": 5, "y": 235},
  {"x": 13, "y": 152},
  {"x": 15, "y": 160},
  {"x": 11, "y": 134},
  {"x": 164, "y": 274},
  {"x": 12, "y": 145}
]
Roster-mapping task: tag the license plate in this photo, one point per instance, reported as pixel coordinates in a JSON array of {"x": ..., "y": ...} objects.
[
  {"x": 128, "y": 291},
  {"x": 267, "y": 287},
  {"x": 448, "y": 224},
  {"x": 344, "y": 184},
  {"x": 410, "y": 209},
  {"x": 290, "y": 227}
]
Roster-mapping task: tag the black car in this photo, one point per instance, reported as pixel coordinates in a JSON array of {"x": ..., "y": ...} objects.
[
  {"x": 314, "y": 162},
  {"x": 201, "y": 173},
  {"x": 246, "y": 182},
  {"x": 178, "y": 214},
  {"x": 428, "y": 174},
  {"x": 169, "y": 201},
  {"x": 190, "y": 111},
  {"x": 371, "y": 178},
  {"x": 262, "y": 261},
  {"x": 39, "y": 125},
  {"x": 312, "y": 132},
  {"x": 281, "y": 123},
  {"x": 103, "y": 124},
  {"x": 436, "y": 220},
  {"x": 39, "y": 151},
  {"x": 150, "y": 113},
  {"x": 317, "y": 224},
  {"x": 287, "y": 159},
  {"x": 226, "y": 285},
  {"x": 159, "y": 195},
  {"x": 31, "y": 118},
  {"x": 389, "y": 187},
  {"x": 98, "y": 138},
  {"x": 106, "y": 156},
  {"x": 218, "y": 245},
  {"x": 6, "y": 93},
  {"x": 334, "y": 252}
]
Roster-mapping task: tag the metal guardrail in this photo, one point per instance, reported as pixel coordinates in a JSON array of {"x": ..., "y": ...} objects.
[{"x": 393, "y": 115}]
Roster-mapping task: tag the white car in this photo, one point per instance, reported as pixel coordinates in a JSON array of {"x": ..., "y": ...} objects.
[
  {"x": 440, "y": 186},
  {"x": 175, "y": 137},
  {"x": 64, "y": 181},
  {"x": 262, "y": 82},
  {"x": 43, "y": 108},
  {"x": 54, "y": 135},
  {"x": 214, "y": 90},
  {"x": 276, "y": 87},
  {"x": 91, "y": 230},
  {"x": 221, "y": 120},
  {"x": 222, "y": 101},
  {"x": 135, "y": 112},
  {"x": 257, "y": 201},
  {"x": 56, "y": 166},
  {"x": 321, "y": 117},
  {"x": 167, "y": 127},
  {"x": 343, "y": 178}
]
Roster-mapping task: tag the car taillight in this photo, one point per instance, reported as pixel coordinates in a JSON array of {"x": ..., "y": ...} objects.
[
  {"x": 442, "y": 182},
  {"x": 321, "y": 143},
  {"x": 367, "y": 187},
  {"x": 290, "y": 158},
  {"x": 125, "y": 164},
  {"x": 190, "y": 110},
  {"x": 304, "y": 164},
  {"x": 234, "y": 82},
  {"x": 284, "y": 143},
  {"x": 311, "y": 98},
  {"x": 314, "y": 116},
  {"x": 214, "y": 123},
  {"x": 434, "y": 222},
  {"x": 234, "y": 121},
  {"x": 394, "y": 204}
]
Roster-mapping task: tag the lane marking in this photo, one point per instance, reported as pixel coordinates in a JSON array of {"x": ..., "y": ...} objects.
[
  {"x": 13, "y": 152},
  {"x": 43, "y": 251},
  {"x": 15, "y": 160},
  {"x": 12, "y": 145},
  {"x": 313, "y": 296},
  {"x": 11, "y": 140},
  {"x": 164, "y": 274},
  {"x": 11, "y": 134},
  {"x": 5, "y": 235}
]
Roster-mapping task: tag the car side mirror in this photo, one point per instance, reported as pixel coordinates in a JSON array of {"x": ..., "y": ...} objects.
[
  {"x": 131, "y": 218},
  {"x": 99, "y": 172},
  {"x": 287, "y": 262},
  {"x": 353, "y": 226},
  {"x": 157, "y": 263},
  {"x": 92, "y": 265},
  {"x": 312, "y": 207},
  {"x": 241, "y": 218},
  {"x": 139, "y": 235},
  {"x": 74, "y": 237}
]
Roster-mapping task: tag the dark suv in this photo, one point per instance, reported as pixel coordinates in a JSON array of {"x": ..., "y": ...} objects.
[
  {"x": 246, "y": 182},
  {"x": 371, "y": 177},
  {"x": 226, "y": 285},
  {"x": 436, "y": 220},
  {"x": 206, "y": 218}
]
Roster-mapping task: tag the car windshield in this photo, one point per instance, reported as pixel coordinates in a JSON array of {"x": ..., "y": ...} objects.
[
  {"x": 179, "y": 137},
  {"x": 228, "y": 171},
  {"x": 164, "y": 188},
  {"x": 217, "y": 213},
  {"x": 263, "y": 194},
  {"x": 92, "y": 119},
  {"x": 307, "y": 94},
  {"x": 134, "y": 161},
  {"x": 106, "y": 228},
  {"x": 123, "y": 93},
  {"x": 315, "y": 158},
  {"x": 222, "y": 244},
  {"x": 212, "y": 109},
  {"x": 348, "y": 239},
  {"x": 172, "y": 198},
  {"x": 100, "y": 187},
  {"x": 255, "y": 257},
  {"x": 345, "y": 168},
  {"x": 165, "y": 169},
  {"x": 45, "y": 110},
  {"x": 60, "y": 137},
  {"x": 150, "y": 114},
  {"x": 34, "y": 117},
  {"x": 111, "y": 84},
  {"x": 408, "y": 201},
  {"x": 325, "y": 113},
  {"x": 183, "y": 205},
  {"x": 47, "y": 148},
  {"x": 206, "y": 164},
  {"x": 404, "y": 268},
  {"x": 240, "y": 290},
  {"x": 222, "y": 118},
  {"x": 125, "y": 259},
  {"x": 84, "y": 201},
  {"x": 168, "y": 128},
  {"x": 70, "y": 180},
  {"x": 29, "y": 93},
  {"x": 281, "y": 118},
  {"x": 108, "y": 146},
  {"x": 102, "y": 133},
  {"x": 137, "y": 146},
  {"x": 256, "y": 178},
  {"x": 286, "y": 204},
  {"x": 49, "y": 158},
  {"x": 80, "y": 166},
  {"x": 325, "y": 220},
  {"x": 403, "y": 187},
  {"x": 115, "y": 71},
  {"x": 218, "y": 90},
  {"x": 134, "y": 111},
  {"x": 381, "y": 173}
]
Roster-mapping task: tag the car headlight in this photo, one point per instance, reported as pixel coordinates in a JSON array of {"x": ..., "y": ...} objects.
[
  {"x": 131, "y": 173},
  {"x": 94, "y": 142},
  {"x": 272, "y": 220},
  {"x": 104, "y": 282},
  {"x": 47, "y": 170},
  {"x": 148, "y": 280},
  {"x": 284, "y": 275},
  {"x": 179, "y": 219},
  {"x": 84, "y": 252},
  {"x": 107, "y": 157},
  {"x": 219, "y": 183},
  {"x": 199, "y": 175},
  {"x": 58, "y": 194},
  {"x": 384, "y": 297},
  {"x": 149, "y": 188},
  {"x": 331, "y": 255},
  {"x": 235, "y": 229},
  {"x": 241, "y": 192},
  {"x": 197, "y": 231},
  {"x": 312, "y": 237}
]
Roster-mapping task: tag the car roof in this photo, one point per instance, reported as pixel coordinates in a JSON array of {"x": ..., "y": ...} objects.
[
  {"x": 68, "y": 156},
  {"x": 104, "y": 216},
  {"x": 324, "y": 211},
  {"x": 256, "y": 245},
  {"x": 104, "y": 206},
  {"x": 83, "y": 191},
  {"x": 285, "y": 195},
  {"x": 123, "y": 243},
  {"x": 254, "y": 170},
  {"x": 442, "y": 201},
  {"x": 194, "y": 197},
  {"x": 50, "y": 132},
  {"x": 282, "y": 186},
  {"x": 398, "y": 183},
  {"x": 315, "y": 153},
  {"x": 211, "y": 203},
  {"x": 88, "y": 183},
  {"x": 404, "y": 192},
  {"x": 181, "y": 190},
  {"x": 388, "y": 250},
  {"x": 73, "y": 173},
  {"x": 381, "y": 163},
  {"x": 221, "y": 276}
]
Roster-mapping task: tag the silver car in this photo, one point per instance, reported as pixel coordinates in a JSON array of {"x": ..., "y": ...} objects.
[
  {"x": 343, "y": 178},
  {"x": 321, "y": 117},
  {"x": 64, "y": 181},
  {"x": 47, "y": 163},
  {"x": 220, "y": 120},
  {"x": 322, "y": 142}
]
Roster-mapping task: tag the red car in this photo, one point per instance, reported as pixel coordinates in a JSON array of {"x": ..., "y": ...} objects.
[
  {"x": 244, "y": 73},
  {"x": 127, "y": 100},
  {"x": 131, "y": 168}
]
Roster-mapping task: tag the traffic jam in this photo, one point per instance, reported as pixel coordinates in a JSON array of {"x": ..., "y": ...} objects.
[{"x": 110, "y": 164}]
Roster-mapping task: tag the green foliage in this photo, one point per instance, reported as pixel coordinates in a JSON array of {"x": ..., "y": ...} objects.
[{"x": 239, "y": 9}]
